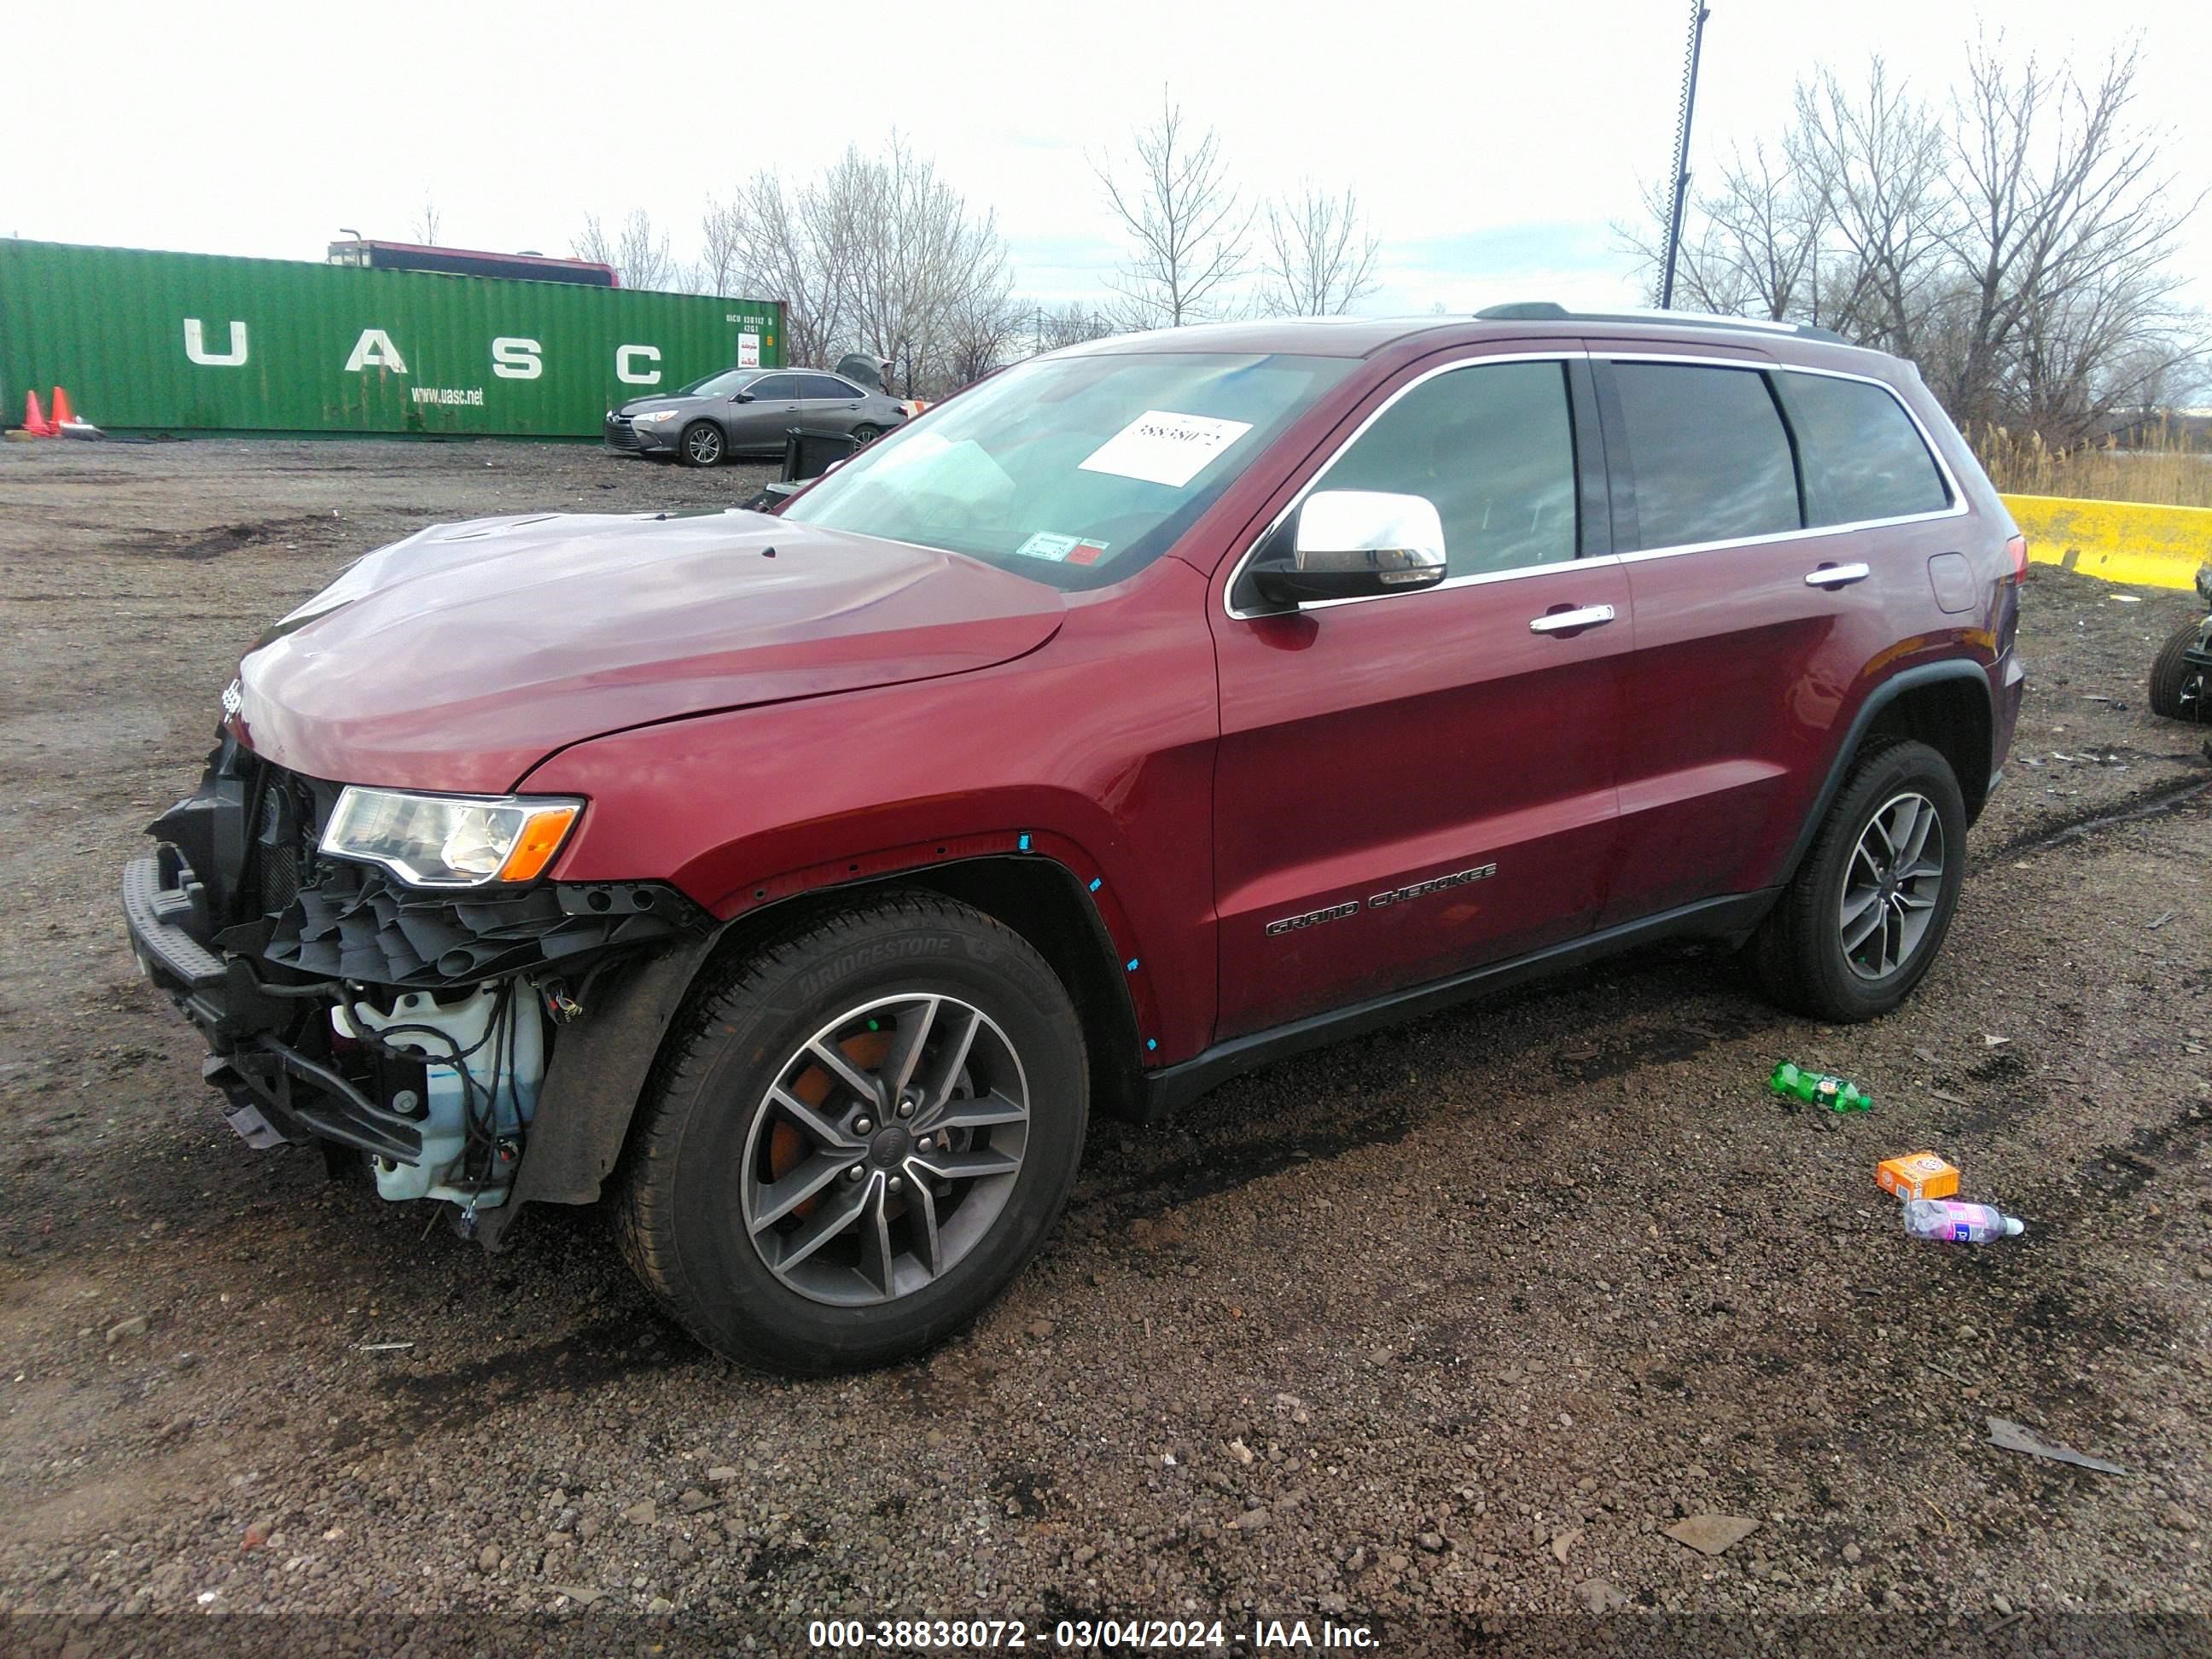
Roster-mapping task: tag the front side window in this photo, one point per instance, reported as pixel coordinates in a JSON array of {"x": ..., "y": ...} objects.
[
  {"x": 1711, "y": 457},
  {"x": 771, "y": 387},
  {"x": 1492, "y": 446},
  {"x": 1072, "y": 470},
  {"x": 1863, "y": 458}
]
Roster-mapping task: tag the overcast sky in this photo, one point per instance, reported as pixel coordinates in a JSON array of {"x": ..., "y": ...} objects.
[{"x": 1491, "y": 144}]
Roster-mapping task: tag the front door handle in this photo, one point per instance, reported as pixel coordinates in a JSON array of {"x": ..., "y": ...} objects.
[
  {"x": 1837, "y": 576},
  {"x": 1562, "y": 622}
]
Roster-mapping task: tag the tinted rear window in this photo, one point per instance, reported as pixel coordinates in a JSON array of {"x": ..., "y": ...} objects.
[
  {"x": 1862, "y": 456},
  {"x": 1711, "y": 457}
]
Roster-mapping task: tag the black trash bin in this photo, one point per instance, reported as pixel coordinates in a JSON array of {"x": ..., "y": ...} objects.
[{"x": 809, "y": 453}]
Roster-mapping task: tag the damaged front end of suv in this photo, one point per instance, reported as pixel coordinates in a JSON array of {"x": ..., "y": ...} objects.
[
  {"x": 416, "y": 912},
  {"x": 388, "y": 975}
]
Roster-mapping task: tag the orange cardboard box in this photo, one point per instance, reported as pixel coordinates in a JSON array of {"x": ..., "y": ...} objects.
[{"x": 1917, "y": 1175}]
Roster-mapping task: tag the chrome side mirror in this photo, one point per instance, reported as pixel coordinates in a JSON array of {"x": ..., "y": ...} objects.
[{"x": 1352, "y": 545}]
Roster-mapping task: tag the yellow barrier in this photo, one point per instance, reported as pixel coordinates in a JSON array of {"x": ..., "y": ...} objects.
[{"x": 2120, "y": 541}]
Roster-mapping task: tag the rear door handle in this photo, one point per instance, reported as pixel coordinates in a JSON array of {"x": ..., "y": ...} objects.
[
  {"x": 1837, "y": 576},
  {"x": 1561, "y": 621}
]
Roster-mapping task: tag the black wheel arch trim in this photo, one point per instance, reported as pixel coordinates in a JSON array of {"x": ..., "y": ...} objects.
[
  {"x": 1887, "y": 692},
  {"x": 594, "y": 1083}
]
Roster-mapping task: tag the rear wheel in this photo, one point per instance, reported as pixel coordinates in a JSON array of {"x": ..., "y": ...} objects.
[
  {"x": 1864, "y": 916},
  {"x": 865, "y": 434},
  {"x": 2177, "y": 686},
  {"x": 702, "y": 444},
  {"x": 866, "y": 1131}
]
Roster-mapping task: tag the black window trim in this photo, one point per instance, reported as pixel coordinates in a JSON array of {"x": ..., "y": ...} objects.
[
  {"x": 1582, "y": 432},
  {"x": 1622, "y": 462}
]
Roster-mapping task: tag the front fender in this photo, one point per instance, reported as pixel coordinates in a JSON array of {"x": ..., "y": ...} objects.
[{"x": 1095, "y": 750}]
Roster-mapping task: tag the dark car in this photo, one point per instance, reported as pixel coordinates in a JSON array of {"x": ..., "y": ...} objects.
[
  {"x": 747, "y": 411},
  {"x": 1151, "y": 711}
]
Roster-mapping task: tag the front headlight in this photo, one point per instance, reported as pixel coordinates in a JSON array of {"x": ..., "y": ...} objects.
[
  {"x": 450, "y": 841},
  {"x": 656, "y": 415}
]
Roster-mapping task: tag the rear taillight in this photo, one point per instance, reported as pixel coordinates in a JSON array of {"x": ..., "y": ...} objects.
[{"x": 2017, "y": 548}]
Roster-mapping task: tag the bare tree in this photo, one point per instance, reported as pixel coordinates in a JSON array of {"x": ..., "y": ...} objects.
[
  {"x": 880, "y": 253},
  {"x": 594, "y": 243},
  {"x": 1751, "y": 248},
  {"x": 797, "y": 245},
  {"x": 983, "y": 331},
  {"x": 639, "y": 253},
  {"x": 1877, "y": 160},
  {"x": 2021, "y": 244},
  {"x": 720, "y": 251},
  {"x": 1181, "y": 212},
  {"x": 926, "y": 266},
  {"x": 426, "y": 222},
  {"x": 1320, "y": 257},
  {"x": 1071, "y": 324},
  {"x": 2063, "y": 237}
]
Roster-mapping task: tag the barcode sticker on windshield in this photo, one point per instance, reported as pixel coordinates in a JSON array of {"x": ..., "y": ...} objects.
[
  {"x": 1161, "y": 447},
  {"x": 1061, "y": 550}
]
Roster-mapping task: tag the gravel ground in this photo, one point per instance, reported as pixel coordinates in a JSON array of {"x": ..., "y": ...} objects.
[{"x": 1437, "y": 1326}]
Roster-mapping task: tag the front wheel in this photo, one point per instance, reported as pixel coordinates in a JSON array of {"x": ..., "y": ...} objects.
[
  {"x": 1861, "y": 921},
  {"x": 702, "y": 444},
  {"x": 866, "y": 1131},
  {"x": 2177, "y": 685}
]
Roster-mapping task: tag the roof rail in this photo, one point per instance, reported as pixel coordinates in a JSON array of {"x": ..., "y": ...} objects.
[{"x": 1550, "y": 310}]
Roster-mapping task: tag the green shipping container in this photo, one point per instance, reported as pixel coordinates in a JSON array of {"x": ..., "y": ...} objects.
[{"x": 194, "y": 341}]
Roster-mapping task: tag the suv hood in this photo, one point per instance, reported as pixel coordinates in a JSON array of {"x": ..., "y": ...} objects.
[{"x": 458, "y": 658}]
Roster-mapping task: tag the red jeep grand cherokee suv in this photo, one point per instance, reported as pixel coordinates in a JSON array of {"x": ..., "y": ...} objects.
[{"x": 1149, "y": 711}]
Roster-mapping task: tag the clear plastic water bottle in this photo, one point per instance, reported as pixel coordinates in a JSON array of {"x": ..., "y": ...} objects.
[{"x": 1952, "y": 1223}]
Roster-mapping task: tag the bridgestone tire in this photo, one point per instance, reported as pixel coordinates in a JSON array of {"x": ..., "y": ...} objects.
[
  {"x": 678, "y": 1210},
  {"x": 1797, "y": 955},
  {"x": 2170, "y": 676}
]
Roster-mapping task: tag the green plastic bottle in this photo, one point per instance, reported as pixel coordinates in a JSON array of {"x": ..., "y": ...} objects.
[{"x": 1819, "y": 1089}]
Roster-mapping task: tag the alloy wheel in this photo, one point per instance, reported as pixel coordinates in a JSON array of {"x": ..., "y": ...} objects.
[
  {"x": 1892, "y": 886},
  {"x": 703, "y": 446},
  {"x": 886, "y": 1146}
]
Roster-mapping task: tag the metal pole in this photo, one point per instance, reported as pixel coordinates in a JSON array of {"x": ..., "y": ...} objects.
[{"x": 1699, "y": 13}]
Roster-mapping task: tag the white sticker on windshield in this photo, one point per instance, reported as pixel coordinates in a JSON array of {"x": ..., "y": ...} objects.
[
  {"x": 1061, "y": 550},
  {"x": 1161, "y": 447}
]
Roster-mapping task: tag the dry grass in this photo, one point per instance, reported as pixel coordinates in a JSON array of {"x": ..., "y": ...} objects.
[{"x": 2162, "y": 465}]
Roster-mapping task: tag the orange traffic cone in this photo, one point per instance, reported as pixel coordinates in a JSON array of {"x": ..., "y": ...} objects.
[
  {"x": 64, "y": 414},
  {"x": 35, "y": 418}
]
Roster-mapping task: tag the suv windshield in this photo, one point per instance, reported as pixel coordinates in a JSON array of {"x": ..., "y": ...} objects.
[
  {"x": 718, "y": 386},
  {"x": 1075, "y": 471}
]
